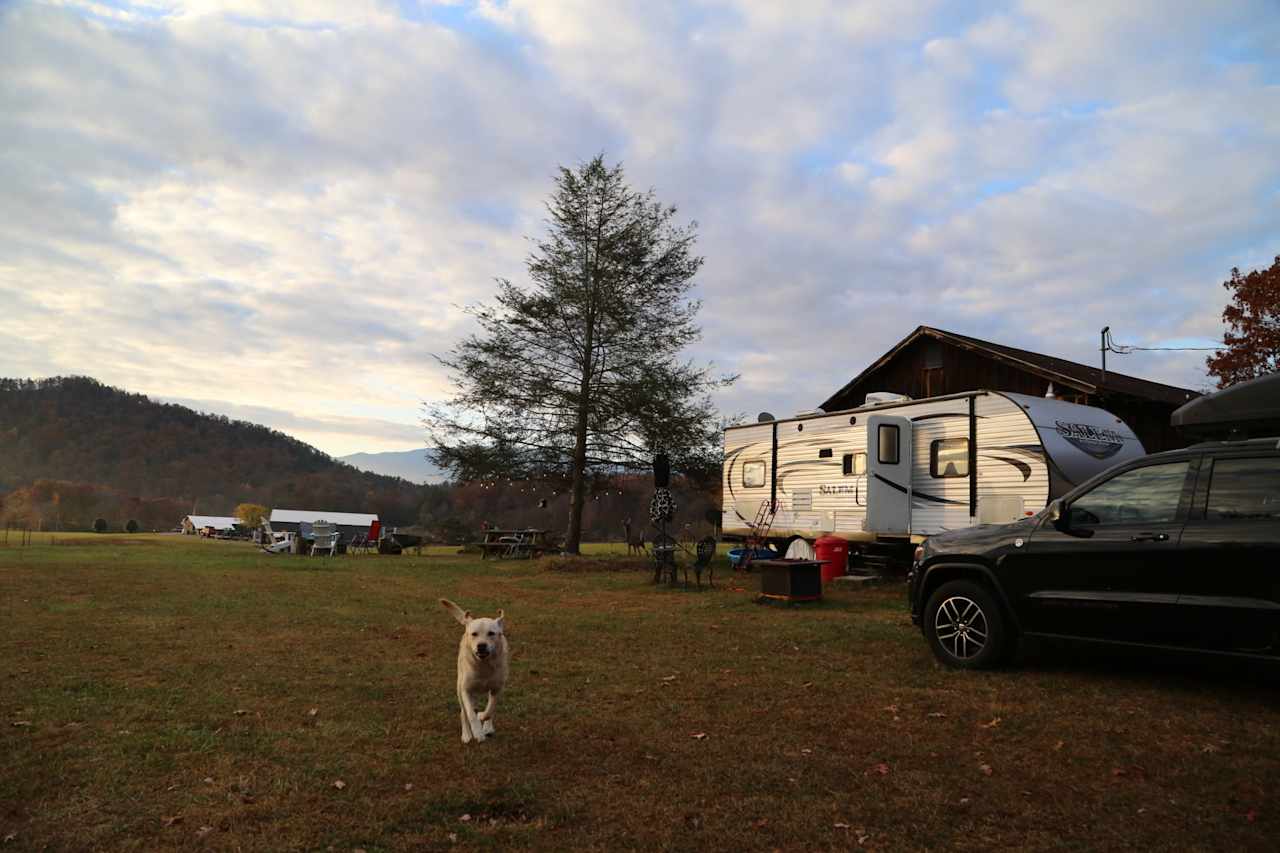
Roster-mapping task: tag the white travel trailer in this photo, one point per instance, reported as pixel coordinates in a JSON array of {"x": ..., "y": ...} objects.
[{"x": 906, "y": 469}]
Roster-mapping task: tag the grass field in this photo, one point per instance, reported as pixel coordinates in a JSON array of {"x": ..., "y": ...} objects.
[{"x": 161, "y": 692}]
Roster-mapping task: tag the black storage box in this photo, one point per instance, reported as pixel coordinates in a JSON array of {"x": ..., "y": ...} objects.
[{"x": 790, "y": 580}]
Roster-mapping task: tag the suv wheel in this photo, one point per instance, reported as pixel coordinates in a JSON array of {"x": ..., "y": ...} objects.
[{"x": 964, "y": 626}]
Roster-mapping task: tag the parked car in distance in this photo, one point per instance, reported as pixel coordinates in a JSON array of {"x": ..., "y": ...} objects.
[{"x": 1176, "y": 550}]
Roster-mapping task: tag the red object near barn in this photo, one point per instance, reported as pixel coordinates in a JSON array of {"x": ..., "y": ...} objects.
[{"x": 833, "y": 553}]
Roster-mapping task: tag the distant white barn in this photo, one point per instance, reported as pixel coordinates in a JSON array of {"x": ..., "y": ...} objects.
[
  {"x": 349, "y": 524},
  {"x": 193, "y": 524}
]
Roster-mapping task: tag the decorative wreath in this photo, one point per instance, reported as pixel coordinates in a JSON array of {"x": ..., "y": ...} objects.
[{"x": 662, "y": 507}]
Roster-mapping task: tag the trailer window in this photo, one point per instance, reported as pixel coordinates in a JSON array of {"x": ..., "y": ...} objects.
[
  {"x": 887, "y": 444},
  {"x": 949, "y": 457},
  {"x": 824, "y": 453},
  {"x": 753, "y": 474},
  {"x": 855, "y": 464}
]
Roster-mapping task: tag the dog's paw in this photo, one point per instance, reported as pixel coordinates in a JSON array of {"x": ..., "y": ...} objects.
[{"x": 487, "y": 728}]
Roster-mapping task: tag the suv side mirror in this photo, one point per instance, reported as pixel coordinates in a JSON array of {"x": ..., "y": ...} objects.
[{"x": 1056, "y": 514}]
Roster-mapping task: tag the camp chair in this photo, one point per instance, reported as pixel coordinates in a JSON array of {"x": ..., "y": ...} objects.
[{"x": 326, "y": 538}]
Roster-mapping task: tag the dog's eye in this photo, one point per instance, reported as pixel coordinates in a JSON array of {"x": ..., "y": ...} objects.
[
  {"x": 475, "y": 633},
  {"x": 490, "y": 633}
]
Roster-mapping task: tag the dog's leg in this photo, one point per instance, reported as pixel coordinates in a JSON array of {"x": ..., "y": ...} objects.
[
  {"x": 466, "y": 726},
  {"x": 473, "y": 719},
  {"x": 486, "y": 716}
]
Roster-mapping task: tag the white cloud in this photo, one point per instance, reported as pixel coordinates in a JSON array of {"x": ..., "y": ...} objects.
[{"x": 246, "y": 201}]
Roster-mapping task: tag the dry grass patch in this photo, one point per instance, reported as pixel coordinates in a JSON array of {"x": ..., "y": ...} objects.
[{"x": 202, "y": 694}]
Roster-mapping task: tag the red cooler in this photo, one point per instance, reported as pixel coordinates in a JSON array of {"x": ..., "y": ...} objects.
[{"x": 833, "y": 552}]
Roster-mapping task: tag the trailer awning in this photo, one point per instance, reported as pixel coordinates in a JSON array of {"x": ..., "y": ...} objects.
[{"x": 1245, "y": 410}]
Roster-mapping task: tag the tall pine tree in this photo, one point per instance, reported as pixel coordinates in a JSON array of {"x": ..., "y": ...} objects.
[{"x": 580, "y": 372}]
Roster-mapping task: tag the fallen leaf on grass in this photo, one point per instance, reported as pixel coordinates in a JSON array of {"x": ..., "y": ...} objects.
[
  {"x": 10, "y": 837},
  {"x": 203, "y": 831},
  {"x": 466, "y": 818},
  {"x": 892, "y": 709},
  {"x": 937, "y": 715},
  {"x": 668, "y": 678},
  {"x": 882, "y": 769},
  {"x": 453, "y": 837},
  {"x": 1251, "y": 815},
  {"x": 313, "y": 712},
  {"x": 863, "y": 839},
  {"x": 699, "y": 736},
  {"x": 21, "y": 723},
  {"x": 806, "y": 752},
  {"x": 995, "y": 721},
  {"x": 1209, "y": 747},
  {"x": 170, "y": 821},
  {"x": 408, "y": 786},
  {"x": 208, "y": 780},
  {"x": 841, "y": 825},
  {"x": 986, "y": 769},
  {"x": 762, "y": 823},
  {"x": 240, "y": 712},
  {"x": 1057, "y": 747},
  {"x": 339, "y": 784}
]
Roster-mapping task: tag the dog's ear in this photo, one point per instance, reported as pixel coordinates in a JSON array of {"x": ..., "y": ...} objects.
[
  {"x": 461, "y": 615},
  {"x": 501, "y": 624}
]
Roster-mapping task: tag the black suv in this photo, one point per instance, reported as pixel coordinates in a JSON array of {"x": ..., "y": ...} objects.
[{"x": 1174, "y": 550}]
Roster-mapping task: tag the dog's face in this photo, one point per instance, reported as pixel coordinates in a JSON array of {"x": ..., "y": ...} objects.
[{"x": 483, "y": 637}]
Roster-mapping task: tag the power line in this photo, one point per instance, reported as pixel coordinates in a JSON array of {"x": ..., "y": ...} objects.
[{"x": 1126, "y": 349}]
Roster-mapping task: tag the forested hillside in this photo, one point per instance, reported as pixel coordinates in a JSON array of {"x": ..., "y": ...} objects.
[{"x": 77, "y": 430}]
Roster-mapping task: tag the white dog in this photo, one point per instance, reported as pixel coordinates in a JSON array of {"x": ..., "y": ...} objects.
[{"x": 482, "y": 668}]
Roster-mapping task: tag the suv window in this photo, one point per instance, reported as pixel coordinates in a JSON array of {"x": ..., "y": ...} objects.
[
  {"x": 1143, "y": 495},
  {"x": 1244, "y": 489}
]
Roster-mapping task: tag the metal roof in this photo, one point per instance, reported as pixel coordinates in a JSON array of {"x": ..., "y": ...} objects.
[
  {"x": 355, "y": 519},
  {"x": 1073, "y": 374},
  {"x": 217, "y": 522}
]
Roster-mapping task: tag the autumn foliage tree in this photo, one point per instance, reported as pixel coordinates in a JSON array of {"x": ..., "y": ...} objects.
[
  {"x": 251, "y": 515},
  {"x": 1252, "y": 317}
]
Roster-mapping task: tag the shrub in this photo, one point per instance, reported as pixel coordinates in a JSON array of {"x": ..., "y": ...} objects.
[
  {"x": 99, "y": 525},
  {"x": 131, "y": 527}
]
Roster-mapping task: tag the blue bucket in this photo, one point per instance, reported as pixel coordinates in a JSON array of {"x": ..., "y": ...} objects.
[{"x": 735, "y": 555}]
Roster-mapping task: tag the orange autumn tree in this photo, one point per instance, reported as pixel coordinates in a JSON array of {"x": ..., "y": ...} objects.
[{"x": 1252, "y": 339}]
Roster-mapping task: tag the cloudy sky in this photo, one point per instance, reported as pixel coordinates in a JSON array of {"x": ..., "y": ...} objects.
[{"x": 271, "y": 209}]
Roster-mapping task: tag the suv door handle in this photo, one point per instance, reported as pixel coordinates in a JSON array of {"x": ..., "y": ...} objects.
[{"x": 1150, "y": 537}]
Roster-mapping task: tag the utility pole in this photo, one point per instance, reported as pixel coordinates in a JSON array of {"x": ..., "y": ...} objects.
[{"x": 1103, "y": 349}]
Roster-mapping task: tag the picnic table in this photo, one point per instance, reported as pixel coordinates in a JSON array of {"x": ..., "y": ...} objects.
[{"x": 516, "y": 544}]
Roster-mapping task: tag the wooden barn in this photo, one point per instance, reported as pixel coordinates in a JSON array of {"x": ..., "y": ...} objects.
[{"x": 931, "y": 362}]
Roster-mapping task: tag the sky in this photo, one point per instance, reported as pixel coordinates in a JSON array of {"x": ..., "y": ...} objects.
[{"x": 276, "y": 209}]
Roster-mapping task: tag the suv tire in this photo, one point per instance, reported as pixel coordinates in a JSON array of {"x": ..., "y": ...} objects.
[{"x": 965, "y": 626}]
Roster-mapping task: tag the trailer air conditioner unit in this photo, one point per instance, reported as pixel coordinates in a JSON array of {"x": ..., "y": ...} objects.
[{"x": 879, "y": 398}]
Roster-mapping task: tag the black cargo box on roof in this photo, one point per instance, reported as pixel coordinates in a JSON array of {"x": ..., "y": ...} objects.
[{"x": 1245, "y": 410}]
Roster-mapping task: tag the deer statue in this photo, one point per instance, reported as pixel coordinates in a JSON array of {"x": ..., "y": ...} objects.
[{"x": 635, "y": 542}]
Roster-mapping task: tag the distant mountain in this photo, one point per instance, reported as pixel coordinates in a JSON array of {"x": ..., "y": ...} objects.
[
  {"x": 411, "y": 465},
  {"x": 78, "y": 430}
]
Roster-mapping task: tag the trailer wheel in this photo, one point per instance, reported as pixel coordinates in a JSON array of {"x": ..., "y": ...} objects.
[{"x": 964, "y": 626}]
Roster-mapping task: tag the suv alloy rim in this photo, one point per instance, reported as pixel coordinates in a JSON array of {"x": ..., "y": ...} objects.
[{"x": 961, "y": 627}]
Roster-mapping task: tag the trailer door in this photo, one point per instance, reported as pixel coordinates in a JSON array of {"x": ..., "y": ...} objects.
[{"x": 888, "y": 475}]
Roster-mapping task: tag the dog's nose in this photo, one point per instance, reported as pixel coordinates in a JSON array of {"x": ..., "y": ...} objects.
[{"x": 482, "y": 648}]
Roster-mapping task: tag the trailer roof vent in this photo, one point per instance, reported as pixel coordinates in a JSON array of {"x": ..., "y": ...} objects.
[
  {"x": 809, "y": 413},
  {"x": 764, "y": 418},
  {"x": 879, "y": 398}
]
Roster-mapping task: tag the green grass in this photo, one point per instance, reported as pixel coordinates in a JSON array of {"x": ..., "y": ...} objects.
[{"x": 167, "y": 683}]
